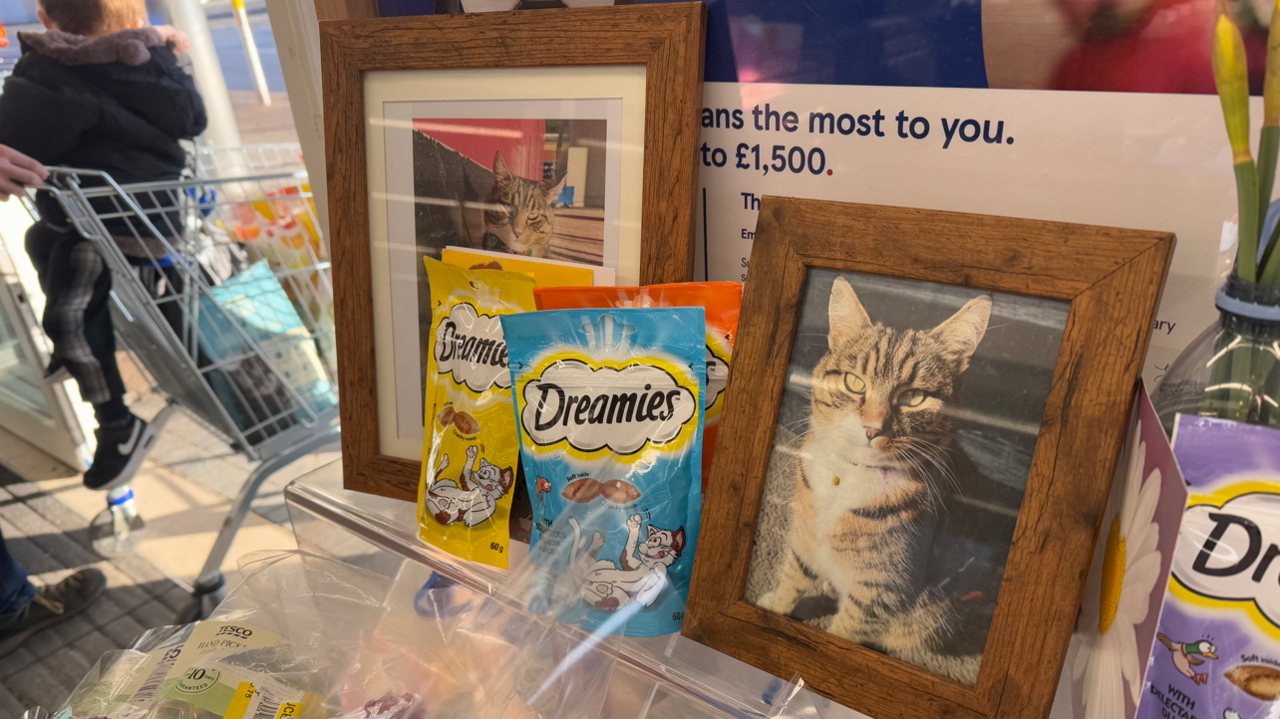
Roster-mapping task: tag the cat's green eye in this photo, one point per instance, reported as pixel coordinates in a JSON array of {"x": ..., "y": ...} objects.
[
  {"x": 912, "y": 398},
  {"x": 533, "y": 217},
  {"x": 854, "y": 384}
]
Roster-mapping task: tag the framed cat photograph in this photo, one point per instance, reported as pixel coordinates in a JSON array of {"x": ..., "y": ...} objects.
[
  {"x": 923, "y": 420},
  {"x": 564, "y": 136}
]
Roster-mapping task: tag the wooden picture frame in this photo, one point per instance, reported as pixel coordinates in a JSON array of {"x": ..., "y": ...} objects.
[
  {"x": 666, "y": 39},
  {"x": 1112, "y": 280}
]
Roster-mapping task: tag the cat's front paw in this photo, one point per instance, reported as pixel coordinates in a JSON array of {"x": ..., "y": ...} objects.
[{"x": 770, "y": 602}]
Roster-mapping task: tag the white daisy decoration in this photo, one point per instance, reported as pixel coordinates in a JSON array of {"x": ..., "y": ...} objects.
[{"x": 1125, "y": 568}]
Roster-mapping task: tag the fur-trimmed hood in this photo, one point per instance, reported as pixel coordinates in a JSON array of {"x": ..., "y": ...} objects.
[
  {"x": 121, "y": 104},
  {"x": 131, "y": 47}
]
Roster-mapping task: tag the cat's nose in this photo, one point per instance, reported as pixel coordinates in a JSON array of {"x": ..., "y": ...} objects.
[{"x": 873, "y": 431}]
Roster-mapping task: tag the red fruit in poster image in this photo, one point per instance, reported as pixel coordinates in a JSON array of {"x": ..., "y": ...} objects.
[{"x": 1144, "y": 46}]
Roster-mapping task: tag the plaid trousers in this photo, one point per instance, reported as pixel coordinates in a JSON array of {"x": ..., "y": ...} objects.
[{"x": 77, "y": 316}]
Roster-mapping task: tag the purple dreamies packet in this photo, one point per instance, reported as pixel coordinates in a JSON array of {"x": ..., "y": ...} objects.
[{"x": 1218, "y": 653}]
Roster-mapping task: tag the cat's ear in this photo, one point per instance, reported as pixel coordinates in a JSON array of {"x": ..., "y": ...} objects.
[
  {"x": 961, "y": 334},
  {"x": 553, "y": 191},
  {"x": 677, "y": 542},
  {"x": 847, "y": 316},
  {"x": 501, "y": 173}
]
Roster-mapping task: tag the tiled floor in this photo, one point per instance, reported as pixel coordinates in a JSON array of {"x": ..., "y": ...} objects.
[
  {"x": 51, "y": 540},
  {"x": 184, "y": 492}
]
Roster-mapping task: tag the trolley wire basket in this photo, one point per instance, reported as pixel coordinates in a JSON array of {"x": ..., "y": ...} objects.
[
  {"x": 223, "y": 162},
  {"x": 221, "y": 289},
  {"x": 232, "y": 318}
]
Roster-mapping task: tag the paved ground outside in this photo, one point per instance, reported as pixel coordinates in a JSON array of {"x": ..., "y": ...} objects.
[
  {"x": 51, "y": 541},
  {"x": 183, "y": 493}
]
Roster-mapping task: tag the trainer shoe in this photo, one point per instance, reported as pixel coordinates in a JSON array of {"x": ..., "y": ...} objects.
[
  {"x": 53, "y": 604},
  {"x": 121, "y": 449}
]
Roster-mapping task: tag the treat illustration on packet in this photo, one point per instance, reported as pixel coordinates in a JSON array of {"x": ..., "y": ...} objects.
[
  {"x": 610, "y": 412},
  {"x": 465, "y": 423},
  {"x": 470, "y": 449},
  {"x": 1258, "y": 681},
  {"x": 586, "y": 489}
]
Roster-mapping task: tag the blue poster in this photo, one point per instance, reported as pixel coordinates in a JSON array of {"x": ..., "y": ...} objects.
[{"x": 1149, "y": 46}]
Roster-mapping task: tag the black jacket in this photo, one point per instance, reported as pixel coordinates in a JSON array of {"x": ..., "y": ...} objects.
[{"x": 118, "y": 103}]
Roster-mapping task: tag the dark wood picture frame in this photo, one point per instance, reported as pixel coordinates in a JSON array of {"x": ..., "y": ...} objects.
[
  {"x": 667, "y": 39},
  {"x": 1112, "y": 279}
]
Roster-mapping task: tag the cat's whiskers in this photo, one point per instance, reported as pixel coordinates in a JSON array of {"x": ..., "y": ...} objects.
[
  {"x": 932, "y": 496},
  {"x": 795, "y": 423},
  {"x": 936, "y": 488},
  {"x": 922, "y": 456},
  {"x": 938, "y": 456}
]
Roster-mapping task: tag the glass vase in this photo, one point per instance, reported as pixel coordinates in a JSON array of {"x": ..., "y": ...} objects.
[{"x": 1232, "y": 370}]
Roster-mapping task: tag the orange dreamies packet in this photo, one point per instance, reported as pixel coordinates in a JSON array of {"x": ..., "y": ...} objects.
[{"x": 722, "y": 302}]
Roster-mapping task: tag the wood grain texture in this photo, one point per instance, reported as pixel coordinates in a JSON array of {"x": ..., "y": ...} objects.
[
  {"x": 1111, "y": 277},
  {"x": 667, "y": 39},
  {"x": 345, "y": 9}
]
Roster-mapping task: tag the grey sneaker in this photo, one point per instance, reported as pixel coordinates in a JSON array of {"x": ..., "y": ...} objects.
[{"x": 53, "y": 604}]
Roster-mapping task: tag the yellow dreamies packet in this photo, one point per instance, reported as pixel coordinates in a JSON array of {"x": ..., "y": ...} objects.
[{"x": 470, "y": 447}]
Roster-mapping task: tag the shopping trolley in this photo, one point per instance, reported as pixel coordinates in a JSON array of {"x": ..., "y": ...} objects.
[{"x": 221, "y": 290}]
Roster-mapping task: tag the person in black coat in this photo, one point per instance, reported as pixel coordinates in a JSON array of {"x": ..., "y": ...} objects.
[{"x": 98, "y": 91}]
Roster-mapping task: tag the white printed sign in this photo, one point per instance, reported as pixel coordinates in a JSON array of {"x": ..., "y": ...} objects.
[{"x": 1145, "y": 161}]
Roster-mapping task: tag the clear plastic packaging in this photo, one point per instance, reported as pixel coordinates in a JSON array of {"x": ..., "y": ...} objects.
[{"x": 308, "y": 637}]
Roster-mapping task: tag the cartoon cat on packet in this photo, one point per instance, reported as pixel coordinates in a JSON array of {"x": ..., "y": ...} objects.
[
  {"x": 473, "y": 497},
  {"x": 639, "y": 575}
]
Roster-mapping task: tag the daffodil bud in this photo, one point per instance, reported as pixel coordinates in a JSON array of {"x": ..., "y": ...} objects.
[
  {"x": 1231, "y": 74},
  {"x": 1271, "y": 91}
]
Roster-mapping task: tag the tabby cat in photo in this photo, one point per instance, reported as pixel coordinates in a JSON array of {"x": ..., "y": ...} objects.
[
  {"x": 464, "y": 204},
  {"x": 881, "y": 481}
]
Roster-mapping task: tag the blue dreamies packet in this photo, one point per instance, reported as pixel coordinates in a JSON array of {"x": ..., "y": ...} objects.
[{"x": 610, "y": 415}]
